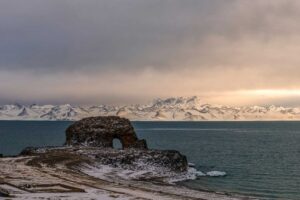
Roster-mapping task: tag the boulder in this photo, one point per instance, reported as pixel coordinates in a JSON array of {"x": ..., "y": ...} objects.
[
  {"x": 101, "y": 131},
  {"x": 143, "y": 159}
]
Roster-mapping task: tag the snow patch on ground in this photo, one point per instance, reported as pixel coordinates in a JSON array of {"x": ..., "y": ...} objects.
[
  {"x": 216, "y": 173},
  {"x": 151, "y": 173},
  {"x": 88, "y": 195}
]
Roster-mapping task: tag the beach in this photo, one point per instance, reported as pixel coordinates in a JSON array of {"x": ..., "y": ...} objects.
[{"x": 20, "y": 180}]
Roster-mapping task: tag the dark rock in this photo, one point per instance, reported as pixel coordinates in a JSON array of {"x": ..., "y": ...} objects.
[
  {"x": 1, "y": 155},
  {"x": 28, "y": 151},
  {"x": 23, "y": 113},
  {"x": 135, "y": 159},
  {"x": 4, "y": 193},
  {"x": 100, "y": 132}
]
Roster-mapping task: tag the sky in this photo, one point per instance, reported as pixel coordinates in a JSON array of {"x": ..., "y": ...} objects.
[{"x": 232, "y": 52}]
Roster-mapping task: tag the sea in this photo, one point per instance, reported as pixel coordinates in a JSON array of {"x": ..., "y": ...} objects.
[{"x": 261, "y": 159}]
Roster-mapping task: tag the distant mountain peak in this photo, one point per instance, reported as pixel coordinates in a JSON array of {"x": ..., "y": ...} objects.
[
  {"x": 23, "y": 113},
  {"x": 173, "y": 108}
]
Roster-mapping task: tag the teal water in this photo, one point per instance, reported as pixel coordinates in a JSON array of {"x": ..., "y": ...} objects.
[{"x": 261, "y": 159}]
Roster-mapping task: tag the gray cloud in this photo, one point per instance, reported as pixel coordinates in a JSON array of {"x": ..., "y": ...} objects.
[
  {"x": 130, "y": 34},
  {"x": 205, "y": 45},
  {"x": 57, "y": 35}
]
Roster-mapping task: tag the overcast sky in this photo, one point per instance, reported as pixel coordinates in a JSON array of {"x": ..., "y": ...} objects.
[{"x": 130, "y": 51}]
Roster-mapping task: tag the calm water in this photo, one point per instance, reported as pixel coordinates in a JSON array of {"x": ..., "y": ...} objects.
[{"x": 261, "y": 158}]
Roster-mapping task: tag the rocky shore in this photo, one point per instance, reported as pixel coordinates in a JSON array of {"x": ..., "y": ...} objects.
[{"x": 88, "y": 167}]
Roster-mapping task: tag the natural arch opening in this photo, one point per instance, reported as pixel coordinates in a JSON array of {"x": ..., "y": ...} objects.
[{"x": 117, "y": 144}]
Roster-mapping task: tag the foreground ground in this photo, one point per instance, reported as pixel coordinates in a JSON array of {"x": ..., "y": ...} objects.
[{"x": 54, "y": 177}]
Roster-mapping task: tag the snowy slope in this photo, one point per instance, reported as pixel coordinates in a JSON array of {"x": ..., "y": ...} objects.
[{"x": 181, "y": 108}]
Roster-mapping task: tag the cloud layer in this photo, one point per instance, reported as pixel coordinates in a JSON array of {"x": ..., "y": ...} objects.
[{"x": 124, "y": 51}]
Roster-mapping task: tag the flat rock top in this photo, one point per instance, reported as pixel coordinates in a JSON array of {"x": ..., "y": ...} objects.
[{"x": 106, "y": 125}]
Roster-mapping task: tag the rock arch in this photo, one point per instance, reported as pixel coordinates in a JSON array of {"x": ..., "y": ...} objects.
[
  {"x": 117, "y": 144},
  {"x": 101, "y": 131}
]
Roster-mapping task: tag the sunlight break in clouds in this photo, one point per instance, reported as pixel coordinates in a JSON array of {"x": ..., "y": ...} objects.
[{"x": 272, "y": 92}]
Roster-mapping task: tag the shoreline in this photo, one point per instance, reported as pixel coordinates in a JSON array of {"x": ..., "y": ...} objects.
[
  {"x": 88, "y": 166},
  {"x": 23, "y": 181}
]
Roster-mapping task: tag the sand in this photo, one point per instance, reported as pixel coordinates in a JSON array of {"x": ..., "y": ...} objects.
[{"x": 22, "y": 181}]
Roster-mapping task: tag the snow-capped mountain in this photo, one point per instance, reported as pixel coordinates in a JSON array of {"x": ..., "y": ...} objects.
[{"x": 170, "y": 109}]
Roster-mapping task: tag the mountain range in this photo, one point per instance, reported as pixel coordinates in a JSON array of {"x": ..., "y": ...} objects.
[{"x": 169, "y": 109}]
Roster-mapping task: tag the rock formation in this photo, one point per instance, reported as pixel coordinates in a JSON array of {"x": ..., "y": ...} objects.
[
  {"x": 89, "y": 145},
  {"x": 134, "y": 159},
  {"x": 101, "y": 131}
]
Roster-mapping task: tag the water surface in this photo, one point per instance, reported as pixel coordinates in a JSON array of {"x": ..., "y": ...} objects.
[{"x": 261, "y": 158}]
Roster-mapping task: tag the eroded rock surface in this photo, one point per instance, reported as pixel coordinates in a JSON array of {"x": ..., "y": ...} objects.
[{"x": 101, "y": 131}]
